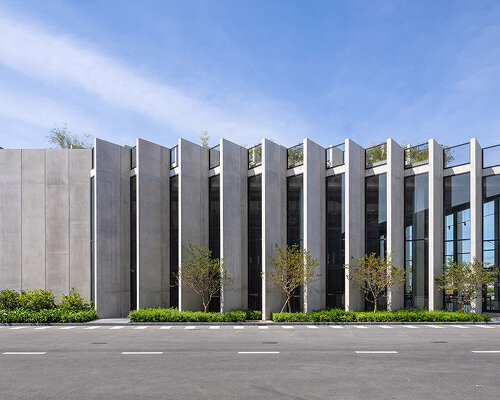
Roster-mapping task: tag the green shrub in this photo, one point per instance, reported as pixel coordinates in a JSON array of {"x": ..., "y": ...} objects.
[
  {"x": 36, "y": 300},
  {"x": 9, "y": 299},
  {"x": 174, "y": 315},
  {"x": 403, "y": 315},
  {"x": 253, "y": 315},
  {"x": 45, "y": 316},
  {"x": 73, "y": 301},
  {"x": 235, "y": 316}
]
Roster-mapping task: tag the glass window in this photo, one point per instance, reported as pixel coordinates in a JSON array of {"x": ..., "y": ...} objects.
[
  {"x": 456, "y": 155},
  {"x": 491, "y": 239},
  {"x": 92, "y": 238},
  {"x": 335, "y": 241},
  {"x": 255, "y": 242},
  {"x": 294, "y": 224},
  {"x": 214, "y": 230},
  {"x": 456, "y": 225},
  {"x": 133, "y": 243},
  {"x": 417, "y": 241},
  {"x": 174, "y": 239}
]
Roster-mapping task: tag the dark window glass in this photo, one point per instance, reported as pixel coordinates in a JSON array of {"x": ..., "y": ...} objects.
[
  {"x": 335, "y": 241},
  {"x": 376, "y": 222},
  {"x": 491, "y": 239},
  {"x": 133, "y": 243},
  {"x": 294, "y": 225},
  {"x": 174, "y": 239},
  {"x": 255, "y": 242},
  {"x": 92, "y": 237},
  {"x": 417, "y": 241},
  {"x": 456, "y": 226},
  {"x": 214, "y": 230}
]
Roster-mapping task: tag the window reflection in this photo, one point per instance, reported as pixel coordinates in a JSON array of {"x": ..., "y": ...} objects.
[{"x": 255, "y": 242}]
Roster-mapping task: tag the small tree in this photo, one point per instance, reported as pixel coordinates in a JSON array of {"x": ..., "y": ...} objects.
[
  {"x": 466, "y": 279},
  {"x": 202, "y": 273},
  {"x": 293, "y": 266},
  {"x": 375, "y": 275},
  {"x": 63, "y": 138},
  {"x": 204, "y": 139},
  {"x": 376, "y": 153}
]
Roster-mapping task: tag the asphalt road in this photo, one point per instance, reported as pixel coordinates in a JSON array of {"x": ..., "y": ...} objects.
[{"x": 300, "y": 362}]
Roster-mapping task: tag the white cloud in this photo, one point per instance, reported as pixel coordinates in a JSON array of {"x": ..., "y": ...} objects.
[{"x": 61, "y": 60}]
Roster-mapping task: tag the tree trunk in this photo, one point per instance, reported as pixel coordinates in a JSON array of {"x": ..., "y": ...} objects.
[
  {"x": 289, "y": 304},
  {"x": 462, "y": 305},
  {"x": 374, "y": 304}
]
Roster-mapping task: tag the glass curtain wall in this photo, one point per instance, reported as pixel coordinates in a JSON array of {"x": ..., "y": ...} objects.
[
  {"x": 294, "y": 225},
  {"x": 255, "y": 242},
  {"x": 214, "y": 230},
  {"x": 417, "y": 241},
  {"x": 376, "y": 222},
  {"x": 133, "y": 243},
  {"x": 491, "y": 239},
  {"x": 456, "y": 226},
  {"x": 174, "y": 240},
  {"x": 335, "y": 241}
]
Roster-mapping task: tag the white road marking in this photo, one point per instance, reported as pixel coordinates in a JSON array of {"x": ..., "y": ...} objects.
[
  {"x": 190, "y": 327},
  {"x": 92, "y": 327},
  {"x": 19, "y": 327},
  {"x": 214, "y": 327},
  {"x": 485, "y": 351},
  {"x": 484, "y": 326},
  {"x": 411, "y": 326},
  {"x": 141, "y": 352},
  {"x": 43, "y": 327},
  {"x": 258, "y": 352},
  {"x": 336, "y": 327},
  {"x": 460, "y": 326},
  {"x": 312, "y": 326},
  {"x": 67, "y": 327},
  {"x": 385, "y": 326},
  {"x": 263, "y": 327},
  {"x": 116, "y": 327},
  {"x": 360, "y": 326},
  {"x": 287, "y": 327},
  {"x": 24, "y": 353},
  {"x": 141, "y": 327},
  {"x": 238, "y": 327},
  {"x": 434, "y": 326},
  {"x": 165, "y": 327},
  {"x": 377, "y": 352}
]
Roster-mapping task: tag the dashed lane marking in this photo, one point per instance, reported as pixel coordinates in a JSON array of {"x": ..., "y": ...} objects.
[
  {"x": 411, "y": 326},
  {"x": 42, "y": 327},
  {"x": 214, "y": 327},
  {"x": 67, "y": 327},
  {"x": 360, "y": 326},
  {"x": 485, "y": 351},
  {"x": 336, "y": 327},
  {"x": 484, "y": 326},
  {"x": 385, "y": 326},
  {"x": 190, "y": 327},
  {"x": 127, "y": 353},
  {"x": 312, "y": 326},
  {"x": 376, "y": 352},
  {"x": 238, "y": 327},
  {"x": 141, "y": 327},
  {"x": 263, "y": 327},
  {"x": 116, "y": 327},
  {"x": 460, "y": 326},
  {"x": 258, "y": 352},
  {"x": 434, "y": 326},
  {"x": 165, "y": 327},
  {"x": 24, "y": 353},
  {"x": 288, "y": 327},
  {"x": 19, "y": 327}
]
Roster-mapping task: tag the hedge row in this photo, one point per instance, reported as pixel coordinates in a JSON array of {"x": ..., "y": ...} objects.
[
  {"x": 41, "y": 299},
  {"x": 46, "y": 316},
  {"x": 403, "y": 315},
  {"x": 174, "y": 315}
]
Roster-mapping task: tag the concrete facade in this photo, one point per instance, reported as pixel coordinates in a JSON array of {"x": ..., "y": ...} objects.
[{"x": 47, "y": 198}]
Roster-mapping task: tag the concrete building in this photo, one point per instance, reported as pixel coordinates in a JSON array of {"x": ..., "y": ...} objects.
[{"x": 114, "y": 221}]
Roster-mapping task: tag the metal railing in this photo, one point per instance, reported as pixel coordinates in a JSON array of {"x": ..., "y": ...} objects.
[
  {"x": 417, "y": 155},
  {"x": 376, "y": 155},
  {"x": 173, "y": 157},
  {"x": 255, "y": 156},
  {"x": 214, "y": 157},
  {"x": 454, "y": 156},
  {"x": 295, "y": 155},
  {"x": 491, "y": 156},
  {"x": 334, "y": 155}
]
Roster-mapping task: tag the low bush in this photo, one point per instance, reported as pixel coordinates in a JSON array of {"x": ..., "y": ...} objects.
[
  {"x": 174, "y": 315},
  {"x": 74, "y": 301},
  {"x": 403, "y": 315},
  {"x": 9, "y": 299},
  {"x": 45, "y": 316},
  {"x": 36, "y": 300}
]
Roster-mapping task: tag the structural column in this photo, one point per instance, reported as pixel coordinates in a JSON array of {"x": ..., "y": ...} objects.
[
  {"x": 354, "y": 218},
  {"x": 436, "y": 219},
  {"x": 274, "y": 162},
  {"x": 193, "y": 209},
  {"x": 476, "y": 209},
  {"x": 395, "y": 218},
  {"x": 314, "y": 221},
  {"x": 153, "y": 263},
  {"x": 233, "y": 223}
]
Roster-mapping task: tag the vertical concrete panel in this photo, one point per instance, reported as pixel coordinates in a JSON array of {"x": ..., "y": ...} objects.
[
  {"x": 10, "y": 219},
  {"x": 152, "y": 183},
  {"x": 33, "y": 219},
  {"x": 233, "y": 224},
  {"x": 274, "y": 162},
  {"x": 57, "y": 220},
  {"x": 193, "y": 209},
  {"x": 80, "y": 163},
  {"x": 395, "y": 217},
  {"x": 435, "y": 223},
  {"x": 112, "y": 205},
  {"x": 354, "y": 218},
  {"x": 476, "y": 209},
  {"x": 314, "y": 221}
]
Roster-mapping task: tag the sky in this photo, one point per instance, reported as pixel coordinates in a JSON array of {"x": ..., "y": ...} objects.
[{"x": 244, "y": 70}]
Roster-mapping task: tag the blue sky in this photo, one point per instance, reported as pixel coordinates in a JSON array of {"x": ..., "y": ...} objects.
[{"x": 244, "y": 70}]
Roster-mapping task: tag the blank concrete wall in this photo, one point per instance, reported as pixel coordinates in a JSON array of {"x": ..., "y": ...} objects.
[{"x": 153, "y": 264}]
